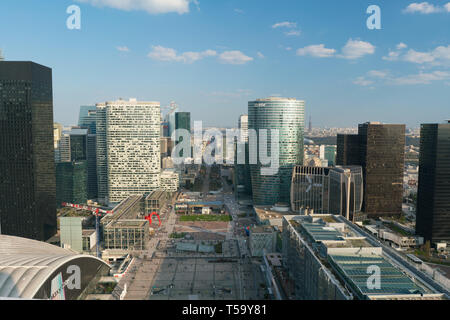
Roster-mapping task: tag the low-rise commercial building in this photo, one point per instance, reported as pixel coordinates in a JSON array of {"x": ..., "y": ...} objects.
[
  {"x": 126, "y": 229},
  {"x": 263, "y": 239},
  {"x": 127, "y": 235},
  {"x": 195, "y": 207},
  {"x": 325, "y": 259},
  {"x": 155, "y": 201}
]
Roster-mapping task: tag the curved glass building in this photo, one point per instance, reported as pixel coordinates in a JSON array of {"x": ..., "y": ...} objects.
[{"x": 287, "y": 116}]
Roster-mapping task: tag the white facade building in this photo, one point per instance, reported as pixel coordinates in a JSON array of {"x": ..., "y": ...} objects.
[
  {"x": 133, "y": 148},
  {"x": 170, "y": 181},
  {"x": 243, "y": 126}
]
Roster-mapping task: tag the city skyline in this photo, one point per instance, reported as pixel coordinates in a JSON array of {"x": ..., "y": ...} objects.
[
  {"x": 271, "y": 48},
  {"x": 123, "y": 176}
]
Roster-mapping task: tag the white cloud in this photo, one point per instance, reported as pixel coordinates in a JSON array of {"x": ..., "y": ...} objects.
[
  {"x": 378, "y": 74},
  {"x": 361, "y": 81},
  {"x": 234, "y": 57},
  {"x": 395, "y": 55},
  {"x": 170, "y": 55},
  {"x": 318, "y": 51},
  {"x": 438, "y": 56},
  {"x": 285, "y": 24},
  {"x": 150, "y": 6},
  {"x": 123, "y": 49},
  {"x": 418, "y": 57},
  {"x": 292, "y": 26},
  {"x": 260, "y": 55},
  {"x": 240, "y": 11},
  {"x": 355, "y": 49},
  {"x": 422, "y": 7},
  {"x": 293, "y": 33},
  {"x": 371, "y": 77},
  {"x": 401, "y": 46},
  {"x": 426, "y": 8},
  {"x": 421, "y": 78},
  {"x": 384, "y": 77}
]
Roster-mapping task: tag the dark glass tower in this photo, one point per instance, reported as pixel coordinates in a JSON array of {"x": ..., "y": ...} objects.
[
  {"x": 433, "y": 200},
  {"x": 347, "y": 149},
  {"x": 27, "y": 167},
  {"x": 75, "y": 171},
  {"x": 182, "y": 121},
  {"x": 71, "y": 182},
  {"x": 380, "y": 150}
]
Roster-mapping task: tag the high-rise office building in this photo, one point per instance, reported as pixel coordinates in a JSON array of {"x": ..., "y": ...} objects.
[
  {"x": 380, "y": 150},
  {"x": 347, "y": 152},
  {"x": 346, "y": 191},
  {"x": 336, "y": 190},
  {"x": 243, "y": 126},
  {"x": 72, "y": 171},
  {"x": 27, "y": 164},
  {"x": 57, "y": 134},
  {"x": 286, "y": 116},
  {"x": 170, "y": 118},
  {"x": 88, "y": 118},
  {"x": 310, "y": 189},
  {"x": 433, "y": 198},
  {"x": 182, "y": 122},
  {"x": 102, "y": 164},
  {"x": 133, "y": 148},
  {"x": 328, "y": 153},
  {"x": 71, "y": 182},
  {"x": 92, "y": 187}
]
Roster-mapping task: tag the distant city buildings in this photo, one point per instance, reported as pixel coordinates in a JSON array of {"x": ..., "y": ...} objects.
[
  {"x": 327, "y": 259},
  {"x": 433, "y": 199},
  {"x": 328, "y": 153},
  {"x": 88, "y": 118},
  {"x": 128, "y": 148},
  {"x": 286, "y": 116},
  {"x": 380, "y": 150},
  {"x": 182, "y": 122},
  {"x": 27, "y": 160},
  {"x": 77, "y": 155},
  {"x": 243, "y": 126}
]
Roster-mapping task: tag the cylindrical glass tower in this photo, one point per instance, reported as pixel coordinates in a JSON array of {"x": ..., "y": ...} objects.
[{"x": 288, "y": 117}]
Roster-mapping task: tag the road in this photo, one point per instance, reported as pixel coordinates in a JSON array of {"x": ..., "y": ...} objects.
[{"x": 399, "y": 259}]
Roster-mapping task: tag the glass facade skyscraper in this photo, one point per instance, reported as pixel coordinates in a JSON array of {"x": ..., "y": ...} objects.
[
  {"x": 27, "y": 160},
  {"x": 288, "y": 117},
  {"x": 71, "y": 182},
  {"x": 310, "y": 189},
  {"x": 433, "y": 198},
  {"x": 88, "y": 118},
  {"x": 182, "y": 122},
  {"x": 380, "y": 150}
]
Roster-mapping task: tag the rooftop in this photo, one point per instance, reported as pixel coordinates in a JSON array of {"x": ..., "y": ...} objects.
[
  {"x": 320, "y": 232},
  {"x": 127, "y": 224},
  {"x": 393, "y": 282}
]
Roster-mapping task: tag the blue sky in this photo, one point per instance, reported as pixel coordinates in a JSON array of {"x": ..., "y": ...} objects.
[{"x": 213, "y": 56}]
